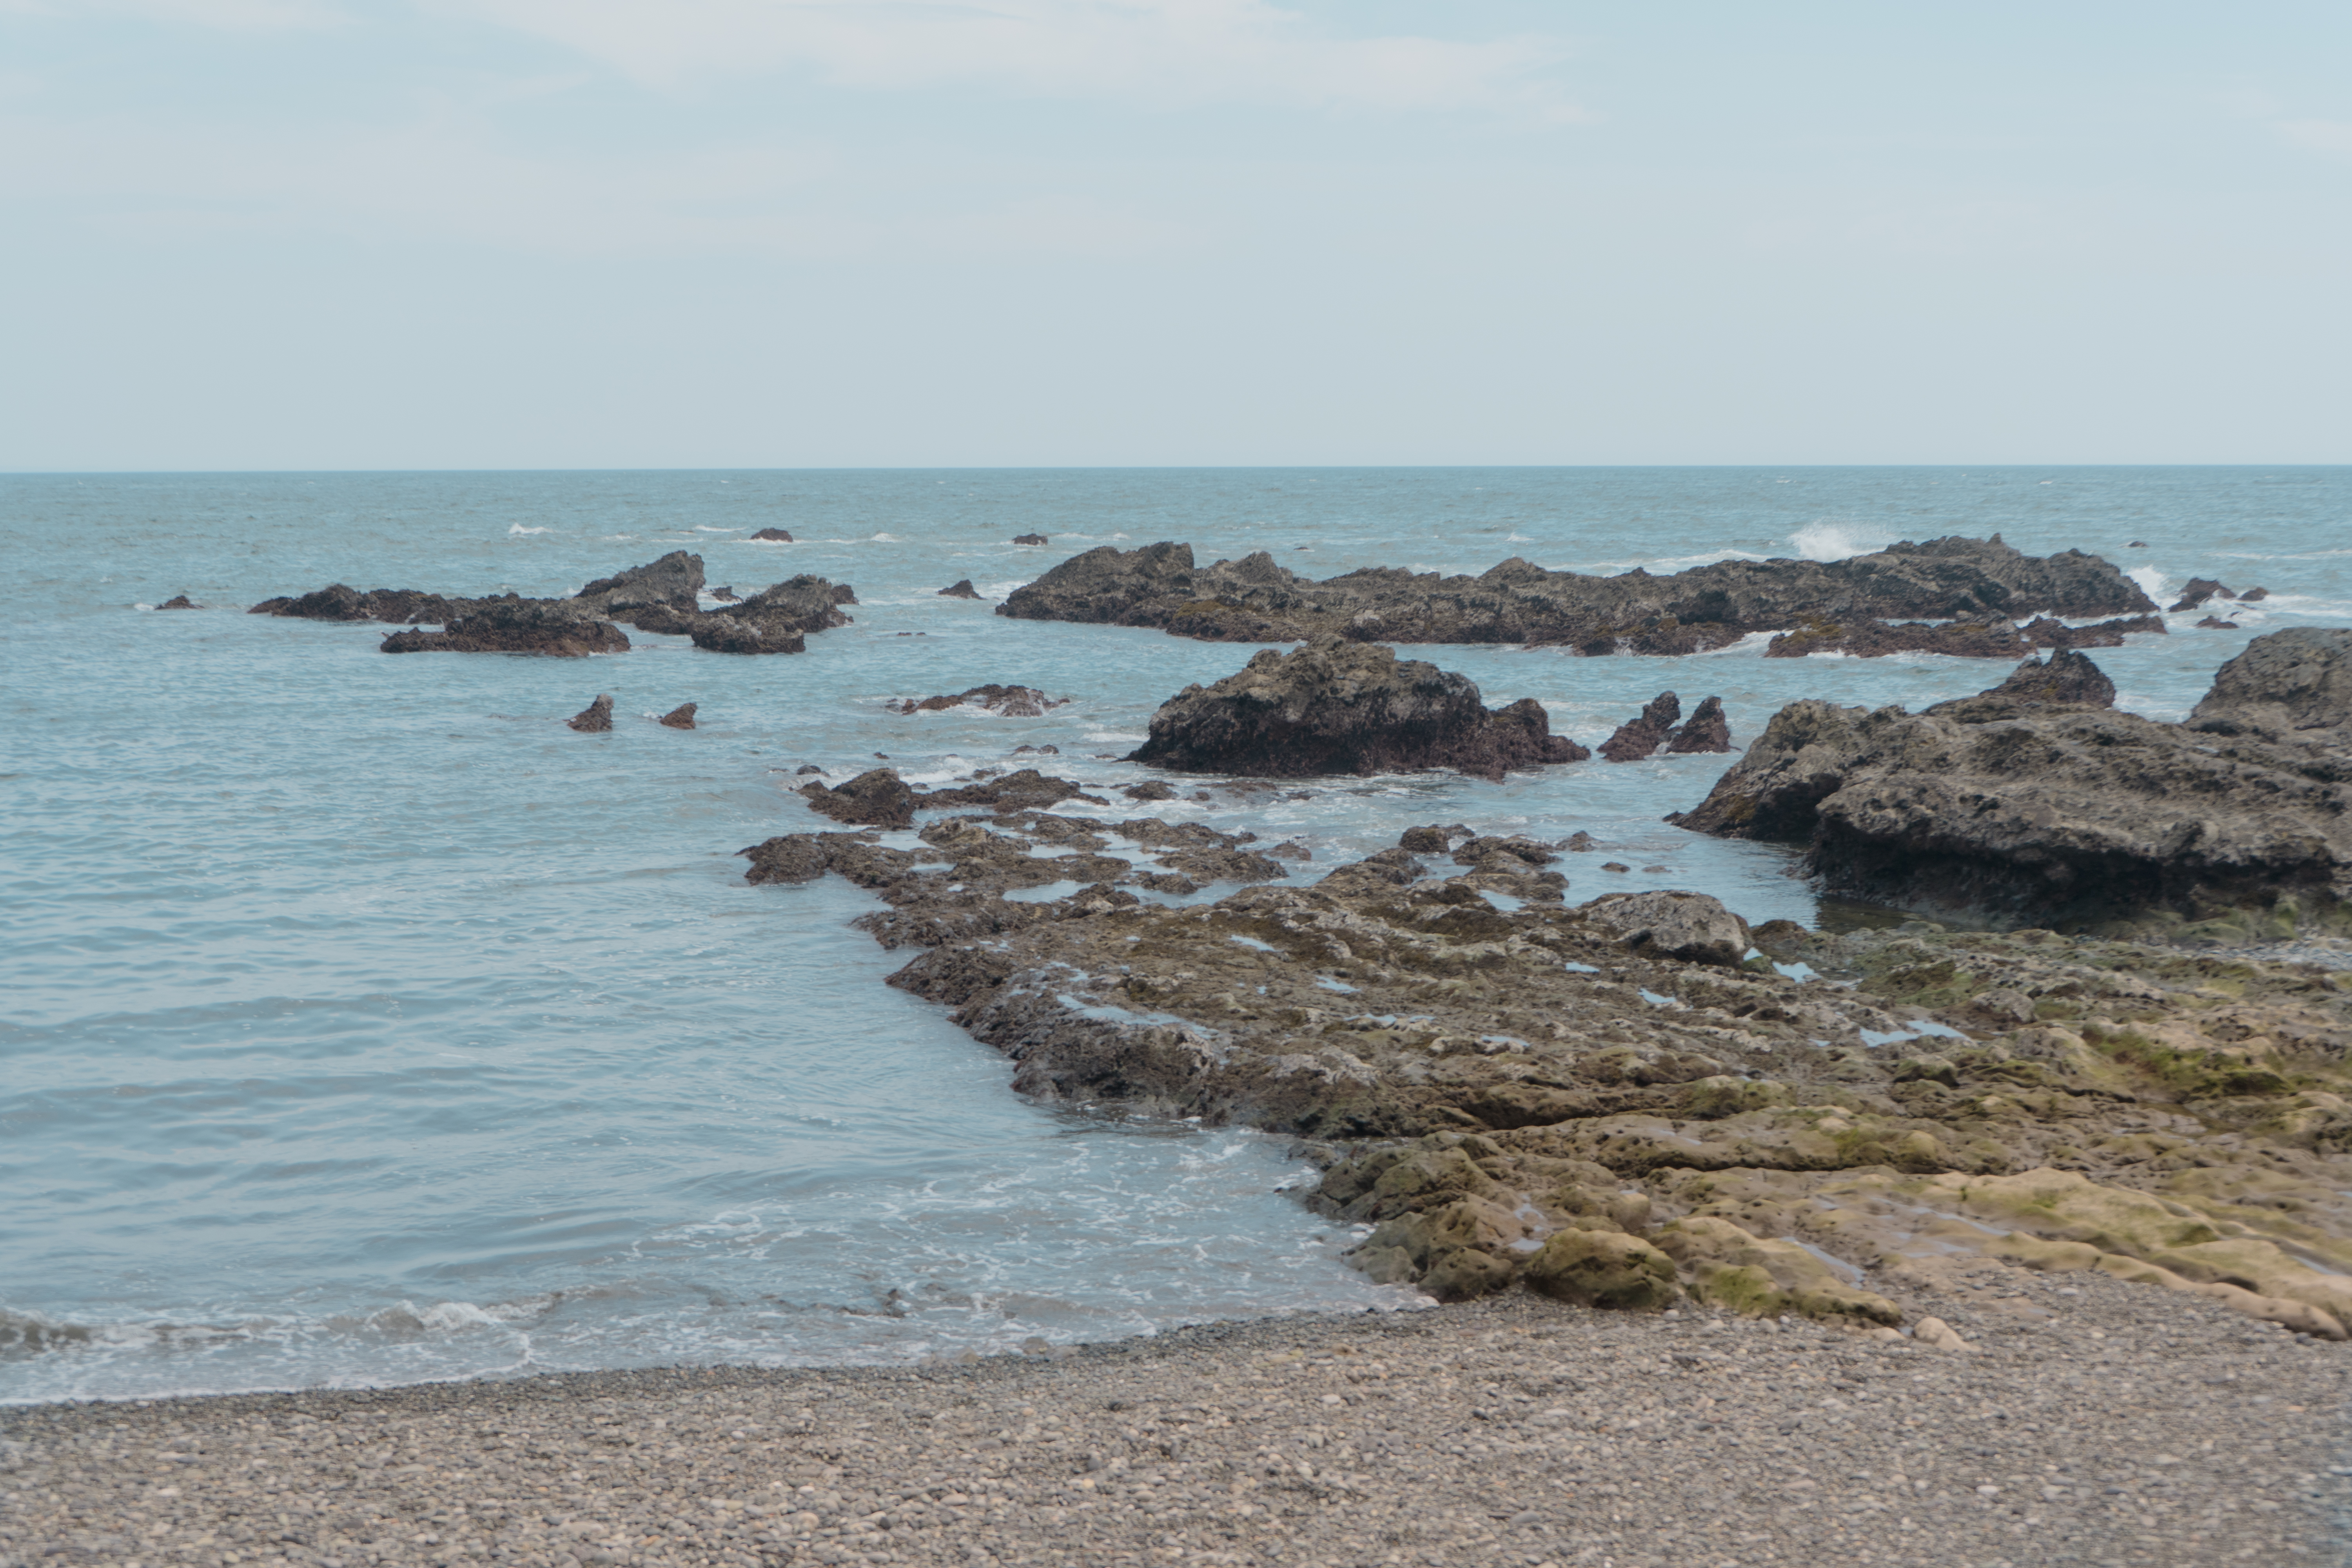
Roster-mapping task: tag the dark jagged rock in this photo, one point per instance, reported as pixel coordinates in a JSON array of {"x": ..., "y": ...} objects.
[
  {"x": 1339, "y": 707},
  {"x": 1876, "y": 639},
  {"x": 1006, "y": 702},
  {"x": 1149, "y": 789},
  {"x": 2008, "y": 807},
  {"x": 681, "y": 717},
  {"x": 876, "y": 798},
  {"x": 1024, "y": 790},
  {"x": 843, "y": 593},
  {"x": 1580, "y": 842},
  {"x": 596, "y": 717},
  {"x": 1706, "y": 731},
  {"x": 176, "y": 602},
  {"x": 960, "y": 588},
  {"x": 1501, "y": 854},
  {"x": 1429, "y": 840},
  {"x": 671, "y": 583},
  {"x": 2045, "y": 632},
  {"x": 775, "y": 535},
  {"x": 526, "y": 625},
  {"x": 1258, "y": 600},
  {"x": 2200, "y": 589},
  {"x": 337, "y": 602},
  {"x": 725, "y": 595},
  {"x": 1639, "y": 738},
  {"x": 725, "y": 634},
  {"x": 807, "y": 768},
  {"x": 2216, "y": 624},
  {"x": 2254, "y": 595},
  {"x": 1030, "y": 539},
  {"x": 1040, "y": 751},
  {"x": 2294, "y": 687},
  {"x": 2066, "y": 679}
]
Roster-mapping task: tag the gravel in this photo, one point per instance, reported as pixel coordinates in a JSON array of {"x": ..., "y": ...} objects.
[{"x": 2092, "y": 1422}]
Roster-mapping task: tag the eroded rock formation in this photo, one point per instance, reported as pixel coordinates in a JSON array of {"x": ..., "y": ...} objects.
[
  {"x": 1005, "y": 701},
  {"x": 524, "y": 625},
  {"x": 1340, "y": 707},
  {"x": 1257, "y": 599},
  {"x": 960, "y": 588},
  {"x": 2036, "y": 802},
  {"x": 594, "y": 718},
  {"x": 681, "y": 717}
]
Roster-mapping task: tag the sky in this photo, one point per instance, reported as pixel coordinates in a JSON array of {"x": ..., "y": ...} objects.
[{"x": 521, "y": 233}]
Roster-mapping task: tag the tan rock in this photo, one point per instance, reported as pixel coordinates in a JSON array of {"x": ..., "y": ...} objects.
[{"x": 1604, "y": 1269}]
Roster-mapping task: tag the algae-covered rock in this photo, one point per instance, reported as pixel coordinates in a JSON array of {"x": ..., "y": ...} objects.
[
  {"x": 1604, "y": 1269},
  {"x": 1767, "y": 1278}
]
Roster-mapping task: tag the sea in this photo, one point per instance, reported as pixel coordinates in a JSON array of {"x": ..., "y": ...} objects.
[{"x": 361, "y": 1024}]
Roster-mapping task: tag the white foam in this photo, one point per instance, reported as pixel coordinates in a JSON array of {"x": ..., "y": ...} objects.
[
  {"x": 2151, "y": 581},
  {"x": 515, "y": 528},
  {"x": 1829, "y": 540}
]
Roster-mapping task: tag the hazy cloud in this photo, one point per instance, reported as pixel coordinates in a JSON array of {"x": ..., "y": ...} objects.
[
  {"x": 2332, "y": 137},
  {"x": 1154, "y": 52},
  {"x": 234, "y": 15}
]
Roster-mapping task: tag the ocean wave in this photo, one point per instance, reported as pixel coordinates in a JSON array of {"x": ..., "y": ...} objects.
[
  {"x": 516, "y": 528},
  {"x": 1828, "y": 540},
  {"x": 2151, "y": 581}
]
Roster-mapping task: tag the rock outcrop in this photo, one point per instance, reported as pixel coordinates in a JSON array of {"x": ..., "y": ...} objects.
[
  {"x": 1706, "y": 731},
  {"x": 2292, "y": 686},
  {"x": 2037, "y": 803},
  {"x": 960, "y": 588},
  {"x": 2199, "y": 591},
  {"x": 2043, "y": 631},
  {"x": 671, "y": 583},
  {"x": 339, "y": 602},
  {"x": 176, "y": 602},
  {"x": 594, "y": 718},
  {"x": 775, "y": 535},
  {"x": 1258, "y": 600},
  {"x": 1640, "y": 737},
  {"x": 525, "y": 625},
  {"x": 1614, "y": 1104},
  {"x": 1997, "y": 638},
  {"x": 1340, "y": 707},
  {"x": 1030, "y": 539},
  {"x": 681, "y": 717},
  {"x": 1005, "y": 701}
]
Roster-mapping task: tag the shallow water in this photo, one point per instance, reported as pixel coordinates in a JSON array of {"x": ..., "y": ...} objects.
[{"x": 365, "y": 1024}]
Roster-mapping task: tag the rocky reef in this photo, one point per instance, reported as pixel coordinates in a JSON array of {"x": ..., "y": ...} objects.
[
  {"x": 1340, "y": 707},
  {"x": 524, "y": 625},
  {"x": 2036, "y": 802},
  {"x": 1639, "y": 1100},
  {"x": 1257, "y": 599},
  {"x": 659, "y": 597},
  {"x": 1005, "y": 701}
]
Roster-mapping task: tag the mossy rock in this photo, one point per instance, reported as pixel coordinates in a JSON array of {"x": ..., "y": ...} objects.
[{"x": 1604, "y": 1269}]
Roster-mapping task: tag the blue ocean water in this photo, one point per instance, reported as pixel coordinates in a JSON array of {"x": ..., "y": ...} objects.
[{"x": 362, "y": 1024}]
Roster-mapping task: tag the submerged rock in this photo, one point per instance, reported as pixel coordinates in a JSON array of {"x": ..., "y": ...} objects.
[
  {"x": 2045, "y": 632},
  {"x": 775, "y": 535},
  {"x": 960, "y": 588},
  {"x": 1338, "y": 707},
  {"x": 1257, "y": 599},
  {"x": 876, "y": 798},
  {"x": 1006, "y": 702},
  {"x": 1875, "y": 639},
  {"x": 176, "y": 602},
  {"x": 2033, "y": 802},
  {"x": 1030, "y": 539},
  {"x": 597, "y": 716},
  {"x": 2199, "y": 591},
  {"x": 527, "y": 626},
  {"x": 681, "y": 717}
]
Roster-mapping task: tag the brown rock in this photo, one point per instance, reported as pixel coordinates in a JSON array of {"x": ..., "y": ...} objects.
[
  {"x": 876, "y": 798},
  {"x": 2200, "y": 589},
  {"x": 1604, "y": 1269},
  {"x": 1706, "y": 730},
  {"x": 960, "y": 588},
  {"x": 1006, "y": 702},
  {"x": 775, "y": 535},
  {"x": 550, "y": 628},
  {"x": 1639, "y": 738},
  {"x": 594, "y": 717},
  {"x": 681, "y": 717},
  {"x": 177, "y": 601},
  {"x": 1030, "y": 539}
]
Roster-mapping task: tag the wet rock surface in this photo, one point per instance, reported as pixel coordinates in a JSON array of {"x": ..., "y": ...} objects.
[
  {"x": 775, "y": 535},
  {"x": 1257, "y": 599},
  {"x": 2294, "y": 687},
  {"x": 594, "y": 718},
  {"x": 1339, "y": 707},
  {"x": 177, "y": 601},
  {"x": 1640, "y": 737},
  {"x": 2045, "y": 632},
  {"x": 681, "y": 717},
  {"x": 2019, "y": 806},
  {"x": 960, "y": 588},
  {"x": 1876, "y": 639},
  {"x": 1006, "y": 702},
  {"x": 1785, "y": 1122},
  {"x": 2094, "y": 1422},
  {"x": 525, "y": 625},
  {"x": 671, "y": 583}
]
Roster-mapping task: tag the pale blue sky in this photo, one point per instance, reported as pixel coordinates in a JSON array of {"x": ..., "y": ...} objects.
[{"x": 318, "y": 234}]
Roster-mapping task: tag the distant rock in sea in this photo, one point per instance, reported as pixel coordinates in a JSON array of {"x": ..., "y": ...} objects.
[
  {"x": 681, "y": 717},
  {"x": 775, "y": 535},
  {"x": 596, "y": 717},
  {"x": 960, "y": 588}
]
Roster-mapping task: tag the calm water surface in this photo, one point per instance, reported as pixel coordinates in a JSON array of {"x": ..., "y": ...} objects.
[{"x": 362, "y": 1024}]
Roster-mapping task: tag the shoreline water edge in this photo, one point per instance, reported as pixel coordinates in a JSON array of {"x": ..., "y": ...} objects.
[{"x": 2005, "y": 1221}]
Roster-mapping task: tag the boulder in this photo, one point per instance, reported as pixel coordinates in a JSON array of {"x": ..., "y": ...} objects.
[
  {"x": 671, "y": 583},
  {"x": 876, "y": 798},
  {"x": 1691, "y": 928},
  {"x": 960, "y": 588},
  {"x": 2010, "y": 808},
  {"x": 1030, "y": 539},
  {"x": 596, "y": 717},
  {"x": 1604, "y": 1269},
  {"x": 775, "y": 535},
  {"x": 176, "y": 602},
  {"x": 1640, "y": 737},
  {"x": 1257, "y": 599},
  {"x": 681, "y": 717},
  {"x": 1706, "y": 731},
  {"x": 525, "y": 625},
  {"x": 2292, "y": 685},
  {"x": 1339, "y": 707}
]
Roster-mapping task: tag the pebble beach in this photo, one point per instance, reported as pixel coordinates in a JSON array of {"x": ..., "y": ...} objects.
[{"x": 2087, "y": 1421}]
